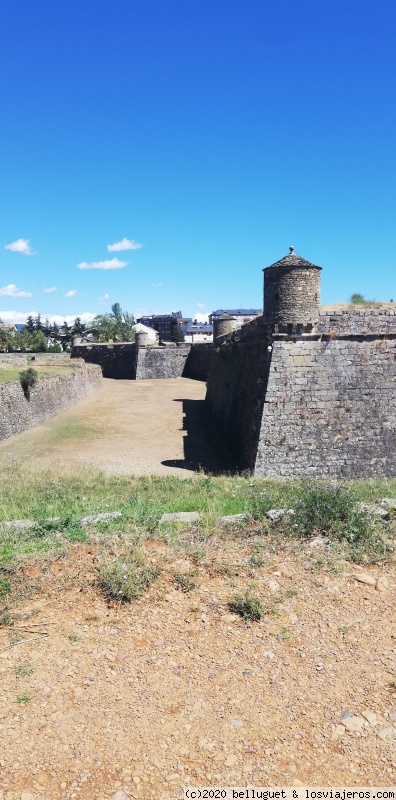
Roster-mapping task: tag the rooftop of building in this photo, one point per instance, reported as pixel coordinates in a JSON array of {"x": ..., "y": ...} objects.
[
  {"x": 293, "y": 260},
  {"x": 237, "y": 312}
]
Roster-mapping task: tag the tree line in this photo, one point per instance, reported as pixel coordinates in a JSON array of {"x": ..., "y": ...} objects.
[{"x": 40, "y": 336}]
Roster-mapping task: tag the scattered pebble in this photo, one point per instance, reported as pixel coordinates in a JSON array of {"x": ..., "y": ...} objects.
[
  {"x": 382, "y": 583},
  {"x": 108, "y": 515},
  {"x": 181, "y": 516},
  {"x": 234, "y": 519},
  {"x": 274, "y": 514},
  {"x": 353, "y": 724},
  {"x": 363, "y": 577},
  {"x": 370, "y": 717}
]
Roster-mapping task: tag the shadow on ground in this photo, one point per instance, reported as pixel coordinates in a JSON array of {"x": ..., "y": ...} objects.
[{"x": 204, "y": 446}]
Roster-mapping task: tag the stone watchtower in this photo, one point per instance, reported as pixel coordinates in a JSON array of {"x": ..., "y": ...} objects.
[
  {"x": 291, "y": 294},
  {"x": 224, "y": 325}
]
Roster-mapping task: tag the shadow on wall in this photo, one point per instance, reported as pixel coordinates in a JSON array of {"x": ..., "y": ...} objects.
[{"x": 204, "y": 446}]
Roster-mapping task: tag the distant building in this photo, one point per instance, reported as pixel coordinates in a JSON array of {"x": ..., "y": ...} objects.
[
  {"x": 243, "y": 315},
  {"x": 164, "y": 324},
  {"x": 195, "y": 332}
]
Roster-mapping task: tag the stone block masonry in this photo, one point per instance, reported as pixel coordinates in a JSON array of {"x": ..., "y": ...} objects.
[
  {"x": 129, "y": 362},
  {"x": 50, "y": 396},
  {"x": 308, "y": 407},
  {"x": 330, "y": 409}
]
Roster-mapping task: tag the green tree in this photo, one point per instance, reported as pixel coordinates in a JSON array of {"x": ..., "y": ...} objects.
[
  {"x": 117, "y": 326},
  {"x": 78, "y": 327},
  {"x": 30, "y": 325},
  {"x": 177, "y": 334}
]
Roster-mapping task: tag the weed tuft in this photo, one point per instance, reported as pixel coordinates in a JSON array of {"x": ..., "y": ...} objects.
[
  {"x": 127, "y": 577},
  {"x": 24, "y": 698},
  {"x": 24, "y": 670},
  {"x": 185, "y": 581},
  {"x": 247, "y": 605}
]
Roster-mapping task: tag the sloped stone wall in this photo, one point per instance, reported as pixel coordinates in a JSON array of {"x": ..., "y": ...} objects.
[
  {"x": 128, "y": 362},
  {"x": 308, "y": 407},
  {"x": 116, "y": 360},
  {"x": 50, "y": 396},
  {"x": 330, "y": 409}
]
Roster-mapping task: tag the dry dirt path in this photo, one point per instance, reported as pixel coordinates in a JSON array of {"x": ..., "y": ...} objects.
[
  {"x": 141, "y": 427},
  {"x": 174, "y": 690}
]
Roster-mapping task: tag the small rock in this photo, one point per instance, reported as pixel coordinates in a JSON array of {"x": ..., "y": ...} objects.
[
  {"x": 120, "y": 795},
  {"x": 236, "y": 723},
  {"x": 19, "y": 524},
  {"x": 383, "y": 733},
  {"x": 228, "y": 618},
  {"x": 173, "y": 777},
  {"x": 370, "y": 717},
  {"x": 345, "y": 714},
  {"x": 274, "y": 514},
  {"x": 382, "y": 583},
  {"x": 388, "y": 502},
  {"x": 100, "y": 517},
  {"x": 233, "y": 519},
  {"x": 353, "y": 724},
  {"x": 27, "y": 796},
  {"x": 392, "y": 716},
  {"x": 230, "y": 761},
  {"x": 363, "y": 577},
  {"x": 338, "y": 732},
  {"x": 373, "y": 509},
  {"x": 273, "y": 586},
  {"x": 181, "y": 516},
  {"x": 268, "y": 654}
]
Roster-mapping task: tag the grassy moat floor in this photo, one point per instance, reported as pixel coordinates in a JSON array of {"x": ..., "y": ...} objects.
[{"x": 143, "y": 656}]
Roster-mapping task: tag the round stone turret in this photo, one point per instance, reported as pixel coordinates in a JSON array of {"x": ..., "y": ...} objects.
[
  {"x": 291, "y": 293},
  {"x": 142, "y": 339},
  {"x": 224, "y": 325}
]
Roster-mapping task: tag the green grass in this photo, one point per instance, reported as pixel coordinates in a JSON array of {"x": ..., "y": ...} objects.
[
  {"x": 11, "y": 374},
  {"x": 319, "y": 510}
]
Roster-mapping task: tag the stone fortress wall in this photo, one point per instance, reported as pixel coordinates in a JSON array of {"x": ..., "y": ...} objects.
[
  {"x": 318, "y": 400},
  {"x": 129, "y": 362},
  {"x": 50, "y": 396}
]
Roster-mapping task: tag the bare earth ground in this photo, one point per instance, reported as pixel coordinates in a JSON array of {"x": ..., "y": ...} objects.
[
  {"x": 127, "y": 427},
  {"x": 174, "y": 690}
]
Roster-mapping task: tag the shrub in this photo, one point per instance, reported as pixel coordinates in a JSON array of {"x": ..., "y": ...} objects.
[
  {"x": 329, "y": 509},
  {"x": 185, "y": 581},
  {"x": 247, "y": 606},
  {"x": 28, "y": 378},
  {"x": 127, "y": 577}
]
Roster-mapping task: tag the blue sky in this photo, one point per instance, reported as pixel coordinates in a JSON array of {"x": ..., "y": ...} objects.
[{"x": 212, "y": 134}]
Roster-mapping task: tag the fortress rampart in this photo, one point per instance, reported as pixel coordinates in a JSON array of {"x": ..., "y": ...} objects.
[
  {"x": 50, "y": 396},
  {"x": 130, "y": 362},
  {"x": 310, "y": 398}
]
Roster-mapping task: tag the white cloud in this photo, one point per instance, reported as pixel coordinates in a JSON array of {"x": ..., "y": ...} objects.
[
  {"x": 12, "y": 291},
  {"x": 20, "y": 246},
  {"x": 202, "y": 317},
  {"x": 200, "y": 305},
  {"x": 50, "y": 289},
  {"x": 157, "y": 285},
  {"x": 104, "y": 299},
  {"x": 72, "y": 293},
  {"x": 124, "y": 244},
  {"x": 113, "y": 263},
  {"x": 20, "y": 318}
]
